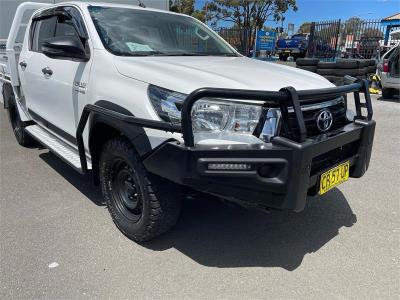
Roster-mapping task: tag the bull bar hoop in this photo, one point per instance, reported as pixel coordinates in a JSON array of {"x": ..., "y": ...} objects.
[{"x": 284, "y": 98}]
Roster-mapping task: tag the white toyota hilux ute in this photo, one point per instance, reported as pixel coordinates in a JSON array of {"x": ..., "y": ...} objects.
[{"x": 154, "y": 104}]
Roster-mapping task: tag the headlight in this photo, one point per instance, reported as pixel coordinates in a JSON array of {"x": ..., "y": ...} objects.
[
  {"x": 220, "y": 115},
  {"x": 217, "y": 119},
  {"x": 166, "y": 103}
]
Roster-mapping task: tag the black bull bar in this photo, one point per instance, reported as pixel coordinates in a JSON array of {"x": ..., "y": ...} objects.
[{"x": 291, "y": 177}]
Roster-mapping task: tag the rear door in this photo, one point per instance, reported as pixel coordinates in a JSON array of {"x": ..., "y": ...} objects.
[
  {"x": 33, "y": 81},
  {"x": 56, "y": 87}
]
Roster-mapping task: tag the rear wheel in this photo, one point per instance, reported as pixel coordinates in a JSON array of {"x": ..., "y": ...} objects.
[
  {"x": 18, "y": 126},
  {"x": 142, "y": 206},
  {"x": 283, "y": 57}
]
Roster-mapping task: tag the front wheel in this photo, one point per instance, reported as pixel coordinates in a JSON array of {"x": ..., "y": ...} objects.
[{"x": 142, "y": 206}]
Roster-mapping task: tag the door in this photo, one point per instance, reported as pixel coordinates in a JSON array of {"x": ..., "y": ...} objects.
[{"x": 55, "y": 88}]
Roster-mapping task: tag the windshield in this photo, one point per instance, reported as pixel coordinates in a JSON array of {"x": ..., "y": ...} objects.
[{"x": 138, "y": 32}]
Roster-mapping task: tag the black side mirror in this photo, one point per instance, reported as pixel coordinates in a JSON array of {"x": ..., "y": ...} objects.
[{"x": 65, "y": 47}]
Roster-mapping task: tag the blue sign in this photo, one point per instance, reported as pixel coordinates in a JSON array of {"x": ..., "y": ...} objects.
[{"x": 266, "y": 40}]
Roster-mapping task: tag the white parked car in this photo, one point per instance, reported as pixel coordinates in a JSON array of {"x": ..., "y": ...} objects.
[
  {"x": 151, "y": 101},
  {"x": 389, "y": 70},
  {"x": 390, "y": 73}
]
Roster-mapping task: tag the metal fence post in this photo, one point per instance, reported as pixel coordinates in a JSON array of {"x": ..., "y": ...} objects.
[
  {"x": 337, "y": 39},
  {"x": 310, "y": 45}
]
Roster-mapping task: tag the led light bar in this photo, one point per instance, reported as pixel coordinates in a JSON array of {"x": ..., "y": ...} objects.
[{"x": 229, "y": 166}]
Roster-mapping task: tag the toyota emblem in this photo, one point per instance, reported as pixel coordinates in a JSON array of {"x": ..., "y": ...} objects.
[{"x": 324, "y": 120}]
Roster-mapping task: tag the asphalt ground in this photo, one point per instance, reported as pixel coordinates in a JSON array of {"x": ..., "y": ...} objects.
[{"x": 58, "y": 240}]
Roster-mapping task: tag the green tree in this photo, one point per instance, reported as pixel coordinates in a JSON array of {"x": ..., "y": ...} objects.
[
  {"x": 268, "y": 28},
  {"x": 186, "y": 7},
  {"x": 352, "y": 25},
  {"x": 373, "y": 33},
  {"x": 305, "y": 28},
  {"x": 200, "y": 15},
  {"x": 182, "y": 6}
]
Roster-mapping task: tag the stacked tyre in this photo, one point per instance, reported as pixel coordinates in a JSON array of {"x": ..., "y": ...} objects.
[
  {"x": 308, "y": 64},
  {"x": 368, "y": 66},
  {"x": 335, "y": 71},
  {"x": 328, "y": 70}
]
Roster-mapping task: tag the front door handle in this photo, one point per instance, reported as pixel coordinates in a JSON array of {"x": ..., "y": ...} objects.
[
  {"x": 23, "y": 64},
  {"x": 47, "y": 71}
]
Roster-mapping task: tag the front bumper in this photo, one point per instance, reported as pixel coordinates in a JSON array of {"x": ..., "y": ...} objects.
[{"x": 282, "y": 173}]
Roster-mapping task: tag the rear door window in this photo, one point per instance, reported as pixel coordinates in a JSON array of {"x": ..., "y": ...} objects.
[{"x": 42, "y": 30}]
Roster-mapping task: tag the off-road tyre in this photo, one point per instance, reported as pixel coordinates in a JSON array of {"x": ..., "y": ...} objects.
[
  {"x": 371, "y": 69},
  {"x": 332, "y": 78},
  {"x": 344, "y": 72},
  {"x": 18, "y": 126},
  {"x": 326, "y": 65},
  {"x": 363, "y": 71},
  {"x": 346, "y": 64},
  {"x": 307, "y": 61},
  {"x": 141, "y": 205},
  {"x": 336, "y": 80},
  {"x": 362, "y": 63},
  {"x": 308, "y": 68},
  {"x": 326, "y": 71}
]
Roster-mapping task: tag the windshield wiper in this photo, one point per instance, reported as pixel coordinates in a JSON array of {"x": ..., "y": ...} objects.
[
  {"x": 160, "y": 53},
  {"x": 143, "y": 53},
  {"x": 199, "y": 54}
]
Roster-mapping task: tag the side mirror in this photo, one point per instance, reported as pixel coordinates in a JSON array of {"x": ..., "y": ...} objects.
[{"x": 65, "y": 47}]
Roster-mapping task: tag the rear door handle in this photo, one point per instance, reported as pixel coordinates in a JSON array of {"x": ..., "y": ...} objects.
[
  {"x": 47, "y": 71},
  {"x": 23, "y": 64}
]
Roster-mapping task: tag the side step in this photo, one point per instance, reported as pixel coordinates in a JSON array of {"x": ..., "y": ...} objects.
[{"x": 58, "y": 147}]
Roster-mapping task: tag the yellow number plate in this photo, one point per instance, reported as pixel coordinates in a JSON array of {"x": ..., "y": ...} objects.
[{"x": 334, "y": 177}]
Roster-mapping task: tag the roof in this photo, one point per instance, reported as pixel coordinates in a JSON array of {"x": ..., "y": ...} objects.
[
  {"x": 108, "y": 4},
  {"x": 393, "y": 17},
  {"x": 393, "y": 20}
]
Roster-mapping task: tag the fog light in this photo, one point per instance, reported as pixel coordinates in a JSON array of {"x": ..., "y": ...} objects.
[{"x": 229, "y": 166}]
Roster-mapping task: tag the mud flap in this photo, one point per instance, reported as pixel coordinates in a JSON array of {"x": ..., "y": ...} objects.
[{"x": 24, "y": 116}]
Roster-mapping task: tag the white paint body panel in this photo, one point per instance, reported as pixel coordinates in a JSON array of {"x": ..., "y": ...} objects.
[
  {"x": 185, "y": 74},
  {"x": 124, "y": 80}
]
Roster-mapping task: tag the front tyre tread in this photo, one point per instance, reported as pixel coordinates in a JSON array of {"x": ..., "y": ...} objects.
[{"x": 161, "y": 199}]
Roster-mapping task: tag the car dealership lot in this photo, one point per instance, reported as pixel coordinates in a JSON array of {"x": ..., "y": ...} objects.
[{"x": 58, "y": 240}]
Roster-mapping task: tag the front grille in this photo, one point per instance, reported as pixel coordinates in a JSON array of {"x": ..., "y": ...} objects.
[{"x": 310, "y": 119}]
